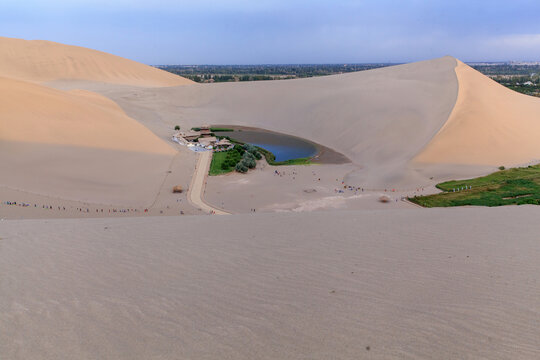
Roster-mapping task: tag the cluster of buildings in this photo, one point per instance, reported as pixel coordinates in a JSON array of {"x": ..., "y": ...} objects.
[{"x": 203, "y": 138}]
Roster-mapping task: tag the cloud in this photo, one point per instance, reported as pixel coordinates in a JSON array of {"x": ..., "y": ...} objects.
[
  {"x": 282, "y": 31},
  {"x": 508, "y": 47},
  {"x": 517, "y": 41},
  {"x": 186, "y": 5}
]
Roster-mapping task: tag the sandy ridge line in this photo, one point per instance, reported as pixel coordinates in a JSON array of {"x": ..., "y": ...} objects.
[
  {"x": 455, "y": 108},
  {"x": 196, "y": 188},
  {"x": 42, "y": 61}
]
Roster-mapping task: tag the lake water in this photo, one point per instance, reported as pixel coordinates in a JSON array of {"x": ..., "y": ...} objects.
[{"x": 284, "y": 147}]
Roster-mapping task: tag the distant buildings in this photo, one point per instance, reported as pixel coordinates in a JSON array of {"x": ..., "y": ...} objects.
[
  {"x": 203, "y": 138},
  {"x": 223, "y": 144},
  {"x": 208, "y": 141},
  {"x": 205, "y": 131},
  {"x": 190, "y": 135}
]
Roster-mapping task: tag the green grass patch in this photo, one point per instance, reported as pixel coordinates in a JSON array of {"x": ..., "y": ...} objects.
[
  {"x": 225, "y": 161},
  {"x": 517, "y": 186},
  {"x": 214, "y": 129},
  {"x": 218, "y": 159}
]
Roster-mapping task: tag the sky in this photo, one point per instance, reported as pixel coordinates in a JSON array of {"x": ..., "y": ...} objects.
[{"x": 283, "y": 31}]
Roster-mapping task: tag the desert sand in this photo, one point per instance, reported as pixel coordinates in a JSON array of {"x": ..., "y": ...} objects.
[
  {"x": 300, "y": 189},
  {"x": 338, "y": 275},
  {"x": 72, "y": 178},
  {"x": 397, "y": 125},
  {"x": 408, "y": 284},
  {"x": 42, "y": 61}
]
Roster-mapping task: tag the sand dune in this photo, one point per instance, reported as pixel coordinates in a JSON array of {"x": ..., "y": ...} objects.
[
  {"x": 38, "y": 114},
  {"x": 76, "y": 145},
  {"x": 274, "y": 286},
  {"x": 41, "y": 61},
  {"x": 490, "y": 125},
  {"x": 380, "y": 119},
  {"x": 403, "y": 126}
]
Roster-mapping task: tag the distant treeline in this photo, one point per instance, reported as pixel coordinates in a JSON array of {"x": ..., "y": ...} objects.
[
  {"x": 523, "y": 78},
  {"x": 228, "y": 73},
  {"x": 508, "y": 69}
]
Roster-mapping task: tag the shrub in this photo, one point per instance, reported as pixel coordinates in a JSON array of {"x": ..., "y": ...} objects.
[
  {"x": 177, "y": 127},
  {"x": 501, "y": 168},
  {"x": 240, "y": 167},
  {"x": 249, "y": 163},
  {"x": 250, "y": 148},
  {"x": 248, "y": 156}
]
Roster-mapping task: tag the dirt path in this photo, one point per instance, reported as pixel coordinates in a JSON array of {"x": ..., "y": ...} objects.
[{"x": 198, "y": 183}]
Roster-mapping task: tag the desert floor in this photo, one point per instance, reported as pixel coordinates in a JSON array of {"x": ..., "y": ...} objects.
[{"x": 397, "y": 284}]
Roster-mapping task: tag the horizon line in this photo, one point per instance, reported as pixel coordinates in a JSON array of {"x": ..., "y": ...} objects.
[{"x": 515, "y": 62}]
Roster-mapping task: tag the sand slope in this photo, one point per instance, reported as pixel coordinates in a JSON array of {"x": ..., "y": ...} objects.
[
  {"x": 42, "y": 61},
  {"x": 77, "y": 145},
  {"x": 38, "y": 114},
  {"x": 490, "y": 125},
  {"x": 255, "y": 287}
]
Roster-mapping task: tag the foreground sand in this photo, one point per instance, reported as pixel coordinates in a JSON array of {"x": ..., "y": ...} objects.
[{"x": 410, "y": 284}]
